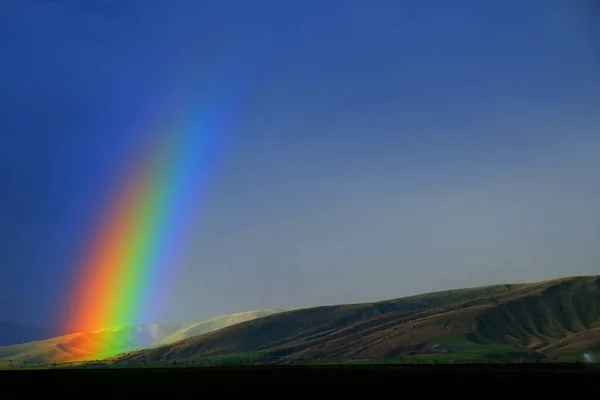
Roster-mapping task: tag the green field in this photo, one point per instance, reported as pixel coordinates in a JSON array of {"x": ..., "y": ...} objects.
[
  {"x": 461, "y": 348},
  {"x": 576, "y": 356},
  {"x": 452, "y": 350}
]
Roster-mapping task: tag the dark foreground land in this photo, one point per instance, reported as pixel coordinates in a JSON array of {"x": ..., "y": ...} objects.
[{"x": 292, "y": 381}]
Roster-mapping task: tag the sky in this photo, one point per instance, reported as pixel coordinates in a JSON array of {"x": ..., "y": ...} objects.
[{"x": 371, "y": 149}]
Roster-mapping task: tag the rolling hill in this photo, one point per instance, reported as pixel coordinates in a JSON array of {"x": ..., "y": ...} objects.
[
  {"x": 211, "y": 324},
  {"x": 544, "y": 319},
  {"x": 81, "y": 346}
]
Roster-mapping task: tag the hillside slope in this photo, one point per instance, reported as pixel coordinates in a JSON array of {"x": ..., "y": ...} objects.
[
  {"x": 212, "y": 324},
  {"x": 83, "y": 346},
  {"x": 80, "y": 346},
  {"x": 524, "y": 319}
]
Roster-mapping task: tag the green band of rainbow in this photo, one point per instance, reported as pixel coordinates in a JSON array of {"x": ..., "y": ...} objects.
[{"x": 132, "y": 254}]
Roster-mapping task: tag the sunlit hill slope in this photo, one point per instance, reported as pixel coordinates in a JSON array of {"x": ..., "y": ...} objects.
[
  {"x": 212, "y": 324},
  {"x": 82, "y": 346},
  {"x": 544, "y": 319}
]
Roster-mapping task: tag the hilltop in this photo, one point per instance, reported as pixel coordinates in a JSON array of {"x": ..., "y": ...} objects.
[
  {"x": 81, "y": 346},
  {"x": 543, "y": 319}
]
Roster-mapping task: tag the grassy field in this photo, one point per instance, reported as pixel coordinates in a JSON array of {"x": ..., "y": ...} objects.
[
  {"x": 577, "y": 356},
  {"x": 461, "y": 348},
  {"x": 474, "y": 356}
]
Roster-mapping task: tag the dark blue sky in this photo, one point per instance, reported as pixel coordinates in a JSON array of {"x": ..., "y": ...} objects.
[{"x": 375, "y": 149}]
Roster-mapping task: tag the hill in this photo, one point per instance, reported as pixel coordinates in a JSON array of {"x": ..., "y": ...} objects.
[
  {"x": 82, "y": 346},
  {"x": 212, "y": 324},
  {"x": 541, "y": 319},
  {"x": 14, "y": 334}
]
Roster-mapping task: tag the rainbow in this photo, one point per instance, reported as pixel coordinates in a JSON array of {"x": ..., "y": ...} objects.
[
  {"x": 126, "y": 267},
  {"x": 127, "y": 264}
]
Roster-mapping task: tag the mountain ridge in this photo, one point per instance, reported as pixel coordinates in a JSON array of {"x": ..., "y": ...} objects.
[{"x": 525, "y": 318}]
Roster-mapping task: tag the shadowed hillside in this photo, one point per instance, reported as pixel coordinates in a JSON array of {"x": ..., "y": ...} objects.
[
  {"x": 577, "y": 343},
  {"x": 83, "y": 346},
  {"x": 550, "y": 312},
  {"x": 525, "y": 320}
]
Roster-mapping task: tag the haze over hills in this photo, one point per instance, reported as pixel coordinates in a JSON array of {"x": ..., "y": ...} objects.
[
  {"x": 14, "y": 334},
  {"x": 81, "y": 346},
  {"x": 212, "y": 324},
  {"x": 544, "y": 319}
]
